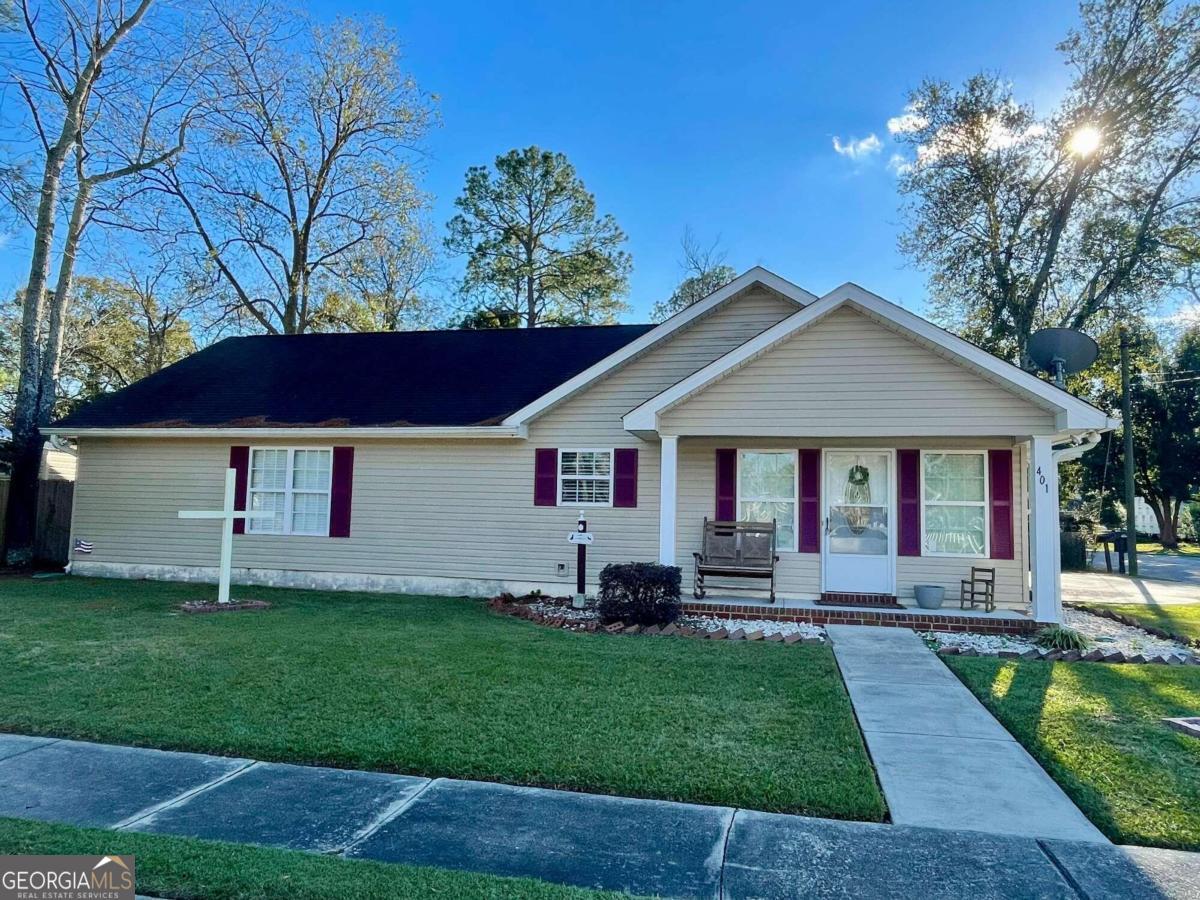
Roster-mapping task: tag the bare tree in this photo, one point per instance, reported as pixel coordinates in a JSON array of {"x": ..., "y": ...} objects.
[
  {"x": 107, "y": 91},
  {"x": 312, "y": 160},
  {"x": 704, "y": 270},
  {"x": 388, "y": 283}
]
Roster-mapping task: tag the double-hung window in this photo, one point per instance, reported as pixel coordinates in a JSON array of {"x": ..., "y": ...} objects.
[
  {"x": 585, "y": 477},
  {"x": 766, "y": 490},
  {"x": 293, "y": 485},
  {"x": 955, "y": 503}
]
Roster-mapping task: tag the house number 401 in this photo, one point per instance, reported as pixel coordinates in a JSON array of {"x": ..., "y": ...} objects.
[{"x": 1042, "y": 480}]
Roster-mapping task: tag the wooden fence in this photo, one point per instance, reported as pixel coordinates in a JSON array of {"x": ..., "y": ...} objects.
[{"x": 52, "y": 540}]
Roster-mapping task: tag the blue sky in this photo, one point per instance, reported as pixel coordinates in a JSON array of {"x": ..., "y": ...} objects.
[{"x": 716, "y": 115}]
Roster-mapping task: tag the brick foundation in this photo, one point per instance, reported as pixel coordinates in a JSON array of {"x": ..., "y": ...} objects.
[{"x": 920, "y": 621}]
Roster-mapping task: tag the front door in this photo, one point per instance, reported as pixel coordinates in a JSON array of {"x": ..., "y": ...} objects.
[{"x": 858, "y": 546}]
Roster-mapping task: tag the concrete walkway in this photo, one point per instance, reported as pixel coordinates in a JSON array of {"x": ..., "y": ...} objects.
[
  {"x": 644, "y": 847},
  {"x": 1098, "y": 587},
  {"x": 943, "y": 760}
]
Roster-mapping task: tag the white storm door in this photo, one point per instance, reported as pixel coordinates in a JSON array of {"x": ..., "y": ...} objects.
[{"x": 858, "y": 544}]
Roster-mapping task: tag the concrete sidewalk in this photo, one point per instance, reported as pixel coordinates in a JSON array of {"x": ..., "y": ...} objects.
[
  {"x": 643, "y": 847},
  {"x": 943, "y": 760},
  {"x": 1098, "y": 587}
]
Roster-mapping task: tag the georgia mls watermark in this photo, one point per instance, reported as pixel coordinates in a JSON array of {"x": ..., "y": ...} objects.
[{"x": 66, "y": 878}]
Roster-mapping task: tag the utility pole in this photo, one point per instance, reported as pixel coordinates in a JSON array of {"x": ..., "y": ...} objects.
[{"x": 1127, "y": 428}]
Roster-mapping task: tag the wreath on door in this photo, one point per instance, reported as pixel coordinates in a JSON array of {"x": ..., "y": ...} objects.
[{"x": 858, "y": 490}]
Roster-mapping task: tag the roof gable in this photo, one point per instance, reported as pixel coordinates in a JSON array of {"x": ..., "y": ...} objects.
[
  {"x": 1069, "y": 411},
  {"x": 651, "y": 339}
]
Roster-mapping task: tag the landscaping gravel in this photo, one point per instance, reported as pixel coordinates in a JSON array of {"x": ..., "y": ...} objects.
[{"x": 1102, "y": 634}]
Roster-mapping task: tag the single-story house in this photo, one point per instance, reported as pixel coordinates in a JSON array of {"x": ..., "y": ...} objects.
[{"x": 890, "y": 452}]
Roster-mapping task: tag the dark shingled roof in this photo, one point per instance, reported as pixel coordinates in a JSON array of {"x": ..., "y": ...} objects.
[{"x": 411, "y": 378}]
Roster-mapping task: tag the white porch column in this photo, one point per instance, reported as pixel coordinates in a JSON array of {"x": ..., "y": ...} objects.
[
  {"x": 667, "y": 481},
  {"x": 1044, "y": 548}
]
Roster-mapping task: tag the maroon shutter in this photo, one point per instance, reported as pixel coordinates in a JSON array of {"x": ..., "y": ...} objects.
[
  {"x": 239, "y": 461},
  {"x": 545, "y": 477},
  {"x": 1000, "y": 480},
  {"x": 726, "y": 485},
  {"x": 625, "y": 477},
  {"x": 341, "y": 492},
  {"x": 809, "y": 540},
  {"x": 908, "y": 476}
]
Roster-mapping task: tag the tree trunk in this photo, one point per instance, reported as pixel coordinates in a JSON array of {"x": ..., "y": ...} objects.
[
  {"x": 51, "y": 361},
  {"x": 1167, "y": 534},
  {"x": 26, "y": 438}
]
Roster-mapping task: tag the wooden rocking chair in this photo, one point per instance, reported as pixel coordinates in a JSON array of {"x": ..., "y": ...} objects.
[{"x": 979, "y": 588}]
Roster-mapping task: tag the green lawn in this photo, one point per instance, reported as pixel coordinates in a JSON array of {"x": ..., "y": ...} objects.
[
  {"x": 1182, "y": 619},
  {"x": 1155, "y": 547},
  {"x": 185, "y": 868},
  {"x": 1098, "y": 731},
  {"x": 434, "y": 686}
]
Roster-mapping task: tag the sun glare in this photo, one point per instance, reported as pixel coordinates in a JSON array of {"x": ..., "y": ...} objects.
[{"x": 1085, "y": 141}]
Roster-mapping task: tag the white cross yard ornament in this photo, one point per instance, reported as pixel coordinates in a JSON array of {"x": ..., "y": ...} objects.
[{"x": 228, "y": 514}]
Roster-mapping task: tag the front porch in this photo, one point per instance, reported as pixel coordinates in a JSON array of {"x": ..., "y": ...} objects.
[
  {"x": 926, "y": 511},
  {"x": 999, "y": 621}
]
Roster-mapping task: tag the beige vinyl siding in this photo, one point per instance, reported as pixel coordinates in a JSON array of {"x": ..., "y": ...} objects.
[
  {"x": 799, "y": 574},
  {"x": 448, "y": 509},
  {"x": 848, "y": 375},
  {"x": 57, "y": 465}
]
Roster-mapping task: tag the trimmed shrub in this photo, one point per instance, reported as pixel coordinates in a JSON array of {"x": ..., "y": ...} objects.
[
  {"x": 639, "y": 594},
  {"x": 1060, "y": 637}
]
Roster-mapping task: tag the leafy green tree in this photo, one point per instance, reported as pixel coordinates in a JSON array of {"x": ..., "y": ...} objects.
[
  {"x": 1068, "y": 219},
  {"x": 704, "y": 271},
  {"x": 535, "y": 246},
  {"x": 115, "y": 333},
  {"x": 482, "y": 319},
  {"x": 1166, "y": 426}
]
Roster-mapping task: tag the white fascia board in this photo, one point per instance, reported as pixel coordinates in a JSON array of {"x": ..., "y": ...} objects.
[
  {"x": 1075, "y": 412},
  {"x": 757, "y": 275},
  {"x": 465, "y": 432}
]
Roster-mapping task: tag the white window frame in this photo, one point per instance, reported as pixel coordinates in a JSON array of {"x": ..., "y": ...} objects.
[
  {"x": 610, "y": 478},
  {"x": 252, "y": 526},
  {"x": 987, "y": 504},
  {"x": 737, "y": 511}
]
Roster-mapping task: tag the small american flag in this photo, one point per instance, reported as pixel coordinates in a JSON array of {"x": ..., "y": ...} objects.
[{"x": 83, "y": 546}]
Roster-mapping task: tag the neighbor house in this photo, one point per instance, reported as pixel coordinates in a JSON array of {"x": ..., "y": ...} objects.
[{"x": 890, "y": 453}]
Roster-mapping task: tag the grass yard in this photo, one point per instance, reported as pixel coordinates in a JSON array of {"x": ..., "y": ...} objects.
[
  {"x": 1182, "y": 619},
  {"x": 1097, "y": 729},
  {"x": 437, "y": 687},
  {"x": 185, "y": 868},
  {"x": 1184, "y": 549}
]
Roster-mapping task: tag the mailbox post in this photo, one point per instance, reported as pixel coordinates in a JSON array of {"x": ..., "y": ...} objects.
[{"x": 580, "y": 537}]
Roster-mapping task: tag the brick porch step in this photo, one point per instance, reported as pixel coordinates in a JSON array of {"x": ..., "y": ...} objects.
[{"x": 874, "y": 601}]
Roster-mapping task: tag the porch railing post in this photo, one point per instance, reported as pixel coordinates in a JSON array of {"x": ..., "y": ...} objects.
[
  {"x": 1044, "y": 548},
  {"x": 667, "y": 475}
]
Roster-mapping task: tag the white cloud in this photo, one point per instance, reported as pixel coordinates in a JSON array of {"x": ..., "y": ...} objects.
[
  {"x": 858, "y": 149},
  {"x": 909, "y": 120},
  {"x": 898, "y": 165},
  {"x": 949, "y": 141}
]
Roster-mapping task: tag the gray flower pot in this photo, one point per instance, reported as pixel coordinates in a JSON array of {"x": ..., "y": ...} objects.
[{"x": 929, "y": 596}]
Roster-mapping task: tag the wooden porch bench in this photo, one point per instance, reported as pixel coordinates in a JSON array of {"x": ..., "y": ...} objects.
[{"x": 736, "y": 550}]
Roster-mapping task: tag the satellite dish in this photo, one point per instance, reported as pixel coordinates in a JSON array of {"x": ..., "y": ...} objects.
[{"x": 1062, "y": 352}]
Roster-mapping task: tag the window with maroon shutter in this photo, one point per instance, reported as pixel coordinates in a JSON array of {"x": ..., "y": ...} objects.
[
  {"x": 908, "y": 476},
  {"x": 1000, "y": 482},
  {"x": 625, "y": 477},
  {"x": 545, "y": 477},
  {"x": 341, "y": 492},
  {"x": 726, "y": 481},
  {"x": 239, "y": 461}
]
